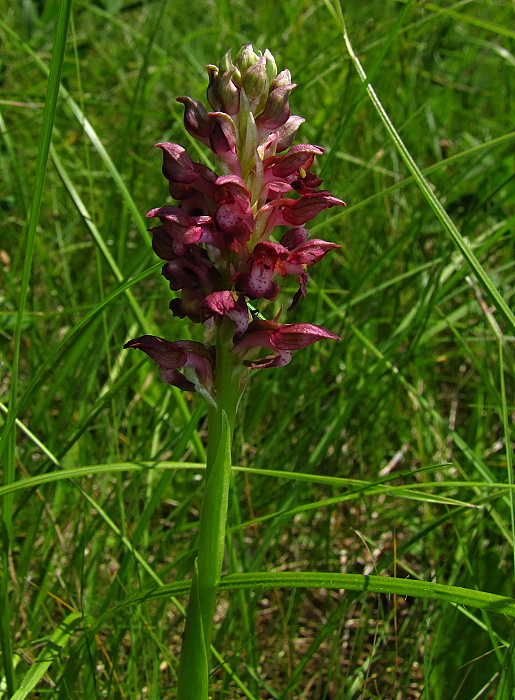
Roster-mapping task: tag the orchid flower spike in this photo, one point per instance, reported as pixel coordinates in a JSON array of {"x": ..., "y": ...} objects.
[{"x": 216, "y": 240}]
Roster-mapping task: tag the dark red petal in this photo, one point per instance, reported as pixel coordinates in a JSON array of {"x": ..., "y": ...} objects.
[
  {"x": 308, "y": 206},
  {"x": 190, "y": 305},
  {"x": 301, "y": 291},
  {"x": 294, "y": 237},
  {"x": 196, "y": 118},
  {"x": 220, "y": 302},
  {"x": 283, "y": 338},
  {"x": 307, "y": 184},
  {"x": 310, "y": 252},
  {"x": 180, "y": 276},
  {"x": 175, "y": 378},
  {"x": 299, "y": 335},
  {"x": 162, "y": 243},
  {"x": 299, "y": 156},
  {"x": 177, "y": 164},
  {"x": 224, "y": 303},
  {"x": 166, "y": 354},
  {"x": 186, "y": 228}
]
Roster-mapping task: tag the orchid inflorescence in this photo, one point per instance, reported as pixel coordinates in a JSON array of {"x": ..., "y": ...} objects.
[{"x": 216, "y": 242}]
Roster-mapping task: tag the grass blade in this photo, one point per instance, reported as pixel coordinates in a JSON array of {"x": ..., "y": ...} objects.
[
  {"x": 9, "y": 435},
  {"x": 354, "y": 582},
  {"x": 50, "y": 653}
]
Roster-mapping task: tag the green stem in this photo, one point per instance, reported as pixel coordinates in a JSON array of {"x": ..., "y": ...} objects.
[{"x": 194, "y": 662}]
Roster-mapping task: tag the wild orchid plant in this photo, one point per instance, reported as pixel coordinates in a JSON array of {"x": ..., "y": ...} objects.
[{"x": 221, "y": 251}]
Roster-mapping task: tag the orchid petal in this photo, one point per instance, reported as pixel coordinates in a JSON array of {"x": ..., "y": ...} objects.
[
  {"x": 307, "y": 207},
  {"x": 310, "y": 252},
  {"x": 299, "y": 156}
]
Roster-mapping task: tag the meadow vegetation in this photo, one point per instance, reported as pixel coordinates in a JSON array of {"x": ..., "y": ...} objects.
[{"x": 389, "y": 453}]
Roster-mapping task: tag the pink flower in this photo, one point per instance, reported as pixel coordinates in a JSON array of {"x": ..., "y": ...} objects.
[
  {"x": 183, "y": 227},
  {"x": 231, "y": 305},
  {"x": 267, "y": 259},
  {"x": 256, "y": 282},
  {"x": 283, "y": 339}
]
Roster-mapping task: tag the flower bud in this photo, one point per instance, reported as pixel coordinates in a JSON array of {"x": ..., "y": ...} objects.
[
  {"x": 222, "y": 92},
  {"x": 245, "y": 58},
  {"x": 271, "y": 67},
  {"x": 256, "y": 83},
  {"x": 228, "y": 93},
  {"x": 212, "y": 88},
  {"x": 226, "y": 63},
  {"x": 286, "y": 133},
  {"x": 282, "y": 80},
  {"x": 277, "y": 109},
  {"x": 196, "y": 118}
]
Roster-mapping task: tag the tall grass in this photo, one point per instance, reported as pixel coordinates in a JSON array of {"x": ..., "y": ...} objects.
[{"x": 389, "y": 454}]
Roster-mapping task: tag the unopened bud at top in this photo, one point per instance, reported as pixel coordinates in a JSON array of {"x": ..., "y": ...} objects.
[
  {"x": 222, "y": 93},
  {"x": 271, "y": 67},
  {"x": 245, "y": 58},
  {"x": 256, "y": 83}
]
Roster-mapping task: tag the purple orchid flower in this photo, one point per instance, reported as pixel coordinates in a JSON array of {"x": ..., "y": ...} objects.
[
  {"x": 171, "y": 357},
  {"x": 270, "y": 258}
]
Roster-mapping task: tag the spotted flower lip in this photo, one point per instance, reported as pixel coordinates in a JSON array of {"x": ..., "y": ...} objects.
[
  {"x": 233, "y": 214},
  {"x": 231, "y": 305},
  {"x": 283, "y": 339},
  {"x": 256, "y": 281},
  {"x": 269, "y": 259}
]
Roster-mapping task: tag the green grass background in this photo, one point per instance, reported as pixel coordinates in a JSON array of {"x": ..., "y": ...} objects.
[{"x": 412, "y": 411}]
